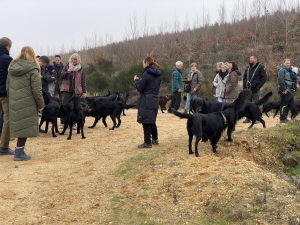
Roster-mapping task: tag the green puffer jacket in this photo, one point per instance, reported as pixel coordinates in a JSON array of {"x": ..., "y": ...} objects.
[{"x": 24, "y": 90}]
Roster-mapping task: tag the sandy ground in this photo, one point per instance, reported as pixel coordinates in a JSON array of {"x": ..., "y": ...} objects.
[{"x": 75, "y": 182}]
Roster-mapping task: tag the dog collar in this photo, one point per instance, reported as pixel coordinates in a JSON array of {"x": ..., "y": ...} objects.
[{"x": 224, "y": 118}]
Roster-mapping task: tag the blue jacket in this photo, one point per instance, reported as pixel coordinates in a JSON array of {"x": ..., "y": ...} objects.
[
  {"x": 148, "y": 86},
  {"x": 176, "y": 80},
  {"x": 5, "y": 60}
]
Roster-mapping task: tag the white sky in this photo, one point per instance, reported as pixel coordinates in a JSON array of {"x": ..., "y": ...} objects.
[{"x": 52, "y": 25}]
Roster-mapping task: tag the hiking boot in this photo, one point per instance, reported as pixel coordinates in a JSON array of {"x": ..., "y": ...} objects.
[
  {"x": 145, "y": 145},
  {"x": 246, "y": 121},
  {"x": 284, "y": 121},
  {"x": 20, "y": 155},
  {"x": 155, "y": 142},
  {"x": 6, "y": 151}
]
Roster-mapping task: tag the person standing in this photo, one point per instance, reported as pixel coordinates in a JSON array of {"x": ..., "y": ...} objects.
[
  {"x": 47, "y": 78},
  {"x": 148, "y": 85},
  {"x": 58, "y": 67},
  {"x": 24, "y": 90},
  {"x": 286, "y": 89},
  {"x": 220, "y": 82},
  {"x": 73, "y": 81},
  {"x": 177, "y": 86},
  {"x": 5, "y": 59},
  {"x": 254, "y": 78},
  {"x": 231, "y": 86},
  {"x": 195, "y": 77}
]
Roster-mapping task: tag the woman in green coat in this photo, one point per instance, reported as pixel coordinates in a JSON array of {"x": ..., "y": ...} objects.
[{"x": 24, "y": 90}]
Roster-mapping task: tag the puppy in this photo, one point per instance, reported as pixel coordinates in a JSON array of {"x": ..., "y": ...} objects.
[
  {"x": 163, "y": 101},
  {"x": 267, "y": 107},
  {"x": 210, "y": 126}
]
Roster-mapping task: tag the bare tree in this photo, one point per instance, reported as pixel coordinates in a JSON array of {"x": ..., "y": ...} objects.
[
  {"x": 222, "y": 13},
  {"x": 133, "y": 27}
]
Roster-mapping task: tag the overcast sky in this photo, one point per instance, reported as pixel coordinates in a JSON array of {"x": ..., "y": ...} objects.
[{"x": 50, "y": 26}]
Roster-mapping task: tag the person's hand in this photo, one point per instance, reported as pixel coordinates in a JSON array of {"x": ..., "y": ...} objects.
[
  {"x": 83, "y": 95},
  {"x": 284, "y": 92},
  {"x": 179, "y": 90},
  {"x": 41, "y": 109},
  {"x": 136, "y": 77},
  {"x": 194, "y": 90},
  {"x": 69, "y": 70}
]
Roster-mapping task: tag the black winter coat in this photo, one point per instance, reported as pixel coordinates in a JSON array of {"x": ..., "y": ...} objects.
[
  {"x": 257, "y": 80},
  {"x": 5, "y": 60},
  {"x": 148, "y": 86}
]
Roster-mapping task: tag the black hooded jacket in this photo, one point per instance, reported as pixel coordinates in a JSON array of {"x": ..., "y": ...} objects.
[
  {"x": 5, "y": 60},
  {"x": 254, "y": 77},
  {"x": 148, "y": 86}
]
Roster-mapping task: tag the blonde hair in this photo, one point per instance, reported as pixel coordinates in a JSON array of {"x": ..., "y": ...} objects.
[{"x": 27, "y": 53}]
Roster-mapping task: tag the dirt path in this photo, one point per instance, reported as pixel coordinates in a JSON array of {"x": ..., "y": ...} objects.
[{"x": 75, "y": 182}]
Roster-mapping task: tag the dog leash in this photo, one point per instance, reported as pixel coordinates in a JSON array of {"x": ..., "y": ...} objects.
[{"x": 224, "y": 118}]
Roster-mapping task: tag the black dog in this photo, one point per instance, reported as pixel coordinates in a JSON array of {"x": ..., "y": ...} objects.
[
  {"x": 124, "y": 99},
  {"x": 162, "y": 101},
  {"x": 210, "y": 126},
  {"x": 74, "y": 114},
  {"x": 102, "y": 109},
  {"x": 50, "y": 113},
  {"x": 295, "y": 110},
  {"x": 200, "y": 105},
  {"x": 252, "y": 111},
  {"x": 267, "y": 107}
]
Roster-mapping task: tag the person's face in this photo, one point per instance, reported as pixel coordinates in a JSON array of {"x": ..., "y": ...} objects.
[
  {"x": 57, "y": 60},
  {"x": 223, "y": 69},
  {"x": 8, "y": 47},
  {"x": 74, "y": 61},
  {"x": 229, "y": 66},
  {"x": 193, "y": 68},
  {"x": 42, "y": 64},
  {"x": 145, "y": 64},
  {"x": 180, "y": 67},
  {"x": 287, "y": 63},
  {"x": 253, "y": 60}
]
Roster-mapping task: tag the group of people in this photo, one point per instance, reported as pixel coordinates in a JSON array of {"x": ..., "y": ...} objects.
[
  {"x": 23, "y": 82},
  {"x": 225, "y": 85}
]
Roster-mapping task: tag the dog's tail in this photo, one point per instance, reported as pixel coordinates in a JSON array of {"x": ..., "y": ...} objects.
[
  {"x": 182, "y": 115},
  {"x": 264, "y": 99}
]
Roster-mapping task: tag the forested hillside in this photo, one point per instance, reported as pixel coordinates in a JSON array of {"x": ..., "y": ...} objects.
[{"x": 271, "y": 37}]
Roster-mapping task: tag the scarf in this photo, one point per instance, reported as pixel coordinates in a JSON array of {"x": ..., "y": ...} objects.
[{"x": 75, "y": 67}]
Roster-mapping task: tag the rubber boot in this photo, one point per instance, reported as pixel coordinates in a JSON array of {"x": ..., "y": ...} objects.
[{"x": 20, "y": 155}]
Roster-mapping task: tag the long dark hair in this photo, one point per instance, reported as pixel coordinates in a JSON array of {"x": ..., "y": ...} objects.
[
  {"x": 234, "y": 66},
  {"x": 151, "y": 62}
]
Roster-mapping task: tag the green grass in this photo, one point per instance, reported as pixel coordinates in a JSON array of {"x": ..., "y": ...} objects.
[{"x": 127, "y": 169}]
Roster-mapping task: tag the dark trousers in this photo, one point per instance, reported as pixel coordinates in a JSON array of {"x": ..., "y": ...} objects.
[
  {"x": 286, "y": 102},
  {"x": 21, "y": 142},
  {"x": 175, "y": 102},
  {"x": 150, "y": 130}
]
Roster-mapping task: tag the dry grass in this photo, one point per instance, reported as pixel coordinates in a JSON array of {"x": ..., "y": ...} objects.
[{"x": 105, "y": 179}]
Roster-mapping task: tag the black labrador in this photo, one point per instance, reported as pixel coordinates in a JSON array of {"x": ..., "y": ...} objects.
[{"x": 210, "y": 126}]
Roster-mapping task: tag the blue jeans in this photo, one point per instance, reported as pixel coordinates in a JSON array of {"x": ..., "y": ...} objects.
[
  {"x": 220, "y": 99},
  {"x": 188, "y": 101}
]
